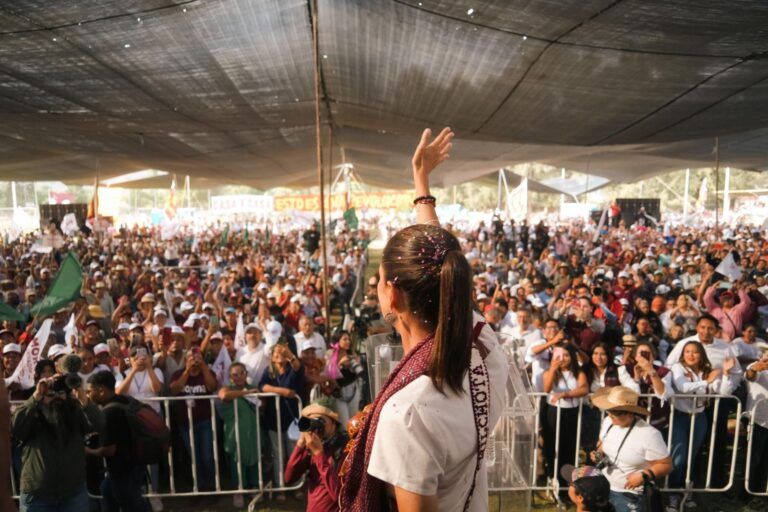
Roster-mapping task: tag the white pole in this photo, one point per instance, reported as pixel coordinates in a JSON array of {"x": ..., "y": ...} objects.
[
  {"x": 498, "y": 191},
  {"x": 189, "y": 192},
  {"x": 727, "y": 194},
  {"x": 13, "y": 194},
  {"x": 562, "y": 196},
  {"x": 685, "y": 199}
]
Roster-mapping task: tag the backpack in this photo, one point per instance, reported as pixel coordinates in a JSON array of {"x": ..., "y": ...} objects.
[{"x": 150, "y": 437}]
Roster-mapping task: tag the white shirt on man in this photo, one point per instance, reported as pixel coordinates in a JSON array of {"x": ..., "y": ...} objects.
[
  {"x": 426, "y": 440},
  {"x": 255, "y": 361},
  {"x": 643, "y": 445},
  {"x": 315, "y": 341},
  {"x": 758, "y": 390}
]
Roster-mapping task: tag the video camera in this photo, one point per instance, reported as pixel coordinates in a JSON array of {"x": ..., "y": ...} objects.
[
  {"x": 315, "y": 425},
  {"x": 70, "y": 380}
]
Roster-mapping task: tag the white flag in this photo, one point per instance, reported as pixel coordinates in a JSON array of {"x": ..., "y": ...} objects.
[
  {"x": 221, "y": 366},
  {"x": 239, "y": 333},
  {"x": 25, "y": 372},
  {"x": 70, "y": 333},
  {"x": 69, "y": 224},
  {"x": 729, "y": 268}
]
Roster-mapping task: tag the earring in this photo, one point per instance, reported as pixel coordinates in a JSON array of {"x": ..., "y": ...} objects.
[{"x": 390, "y": 318}]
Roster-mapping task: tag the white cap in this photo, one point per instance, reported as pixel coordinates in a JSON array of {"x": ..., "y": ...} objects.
[
  {"x": 662, "y": 289},
  {"x": 161, "y": 311},
  {"x": 207, "y": 305},
  {"x": 101, "y": 348},
  {"x": 217, "y": 336},
  {"x": 624, "y": 273},
  {"x": 135, "y": 325},
  {"x": 314, "y": 342},
  {"x": 274, "y": 331},
  {"x": 263, "y": 286},
  {"x": 288, "y": 288},
  {"x": 623, "y": 301},
  {"x": 177, "y": 330},
  {"x": 296, "y": 298},
  {"x": 252, "y": 325},
  {"x": 12, "y": 347},
  {"x": 481, "y": 296},
  {"x": 271, "y": 295},
  {"x": 124, "y": 326},
  {"x": 186, "y": 306},
  {"x": 58, "y": 350}
]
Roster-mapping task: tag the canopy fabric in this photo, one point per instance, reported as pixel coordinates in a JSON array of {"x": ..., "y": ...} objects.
[{"x": 223, "y": 90}]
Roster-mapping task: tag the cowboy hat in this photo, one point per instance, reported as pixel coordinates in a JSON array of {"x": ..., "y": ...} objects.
[
  {"x": 618, "y": 398},
  {"x": 319, "y": 408}
]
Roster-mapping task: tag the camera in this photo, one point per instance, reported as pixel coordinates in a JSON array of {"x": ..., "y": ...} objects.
[
  {"x": 66, "y": 383},
  {"x": 356, "y": 367},
  {"x": 315, "y": 425},
  {"x": 601, "y": 460}
]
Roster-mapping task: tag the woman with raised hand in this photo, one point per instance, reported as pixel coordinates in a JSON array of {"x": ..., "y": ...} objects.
[{"x": 420, "y": 445}]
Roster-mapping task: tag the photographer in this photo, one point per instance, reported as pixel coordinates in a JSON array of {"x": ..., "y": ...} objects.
[
  {"x": 122, "y": 486},
  {"x": 51, "y": 426},
  {"x": 318, "y": 451},
  {"x": 343, "y": 366},
  {"x": 630, "y": 450}
]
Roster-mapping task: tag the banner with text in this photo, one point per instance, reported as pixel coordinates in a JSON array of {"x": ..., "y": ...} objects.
[{"x": 370, "y": 200}]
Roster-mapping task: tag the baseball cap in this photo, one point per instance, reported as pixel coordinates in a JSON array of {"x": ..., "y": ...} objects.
[
  {"x": 58, "y": 350},
  {"x": 101, "y": 348},
  {"x": 124, "y": 326},
  {"x": 253, "y": 325},
  {"x": 273, "y": 333},
  {"x": 207, "y": 305},
  {"x": 12, "y": 347},
  {"x": 590, "y": 484}
]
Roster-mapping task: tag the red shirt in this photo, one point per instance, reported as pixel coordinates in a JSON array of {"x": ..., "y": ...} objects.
[{"x": 322, "y": 480}]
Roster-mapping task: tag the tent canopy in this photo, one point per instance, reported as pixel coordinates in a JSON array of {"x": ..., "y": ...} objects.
[{"x": 224, "y": 89}]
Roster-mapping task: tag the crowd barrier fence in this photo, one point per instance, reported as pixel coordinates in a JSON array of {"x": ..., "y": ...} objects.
[
  {"x": 551, "y": 483},
  {"x": 760, "y": 405},
  {"x": 216, "y": 422}
]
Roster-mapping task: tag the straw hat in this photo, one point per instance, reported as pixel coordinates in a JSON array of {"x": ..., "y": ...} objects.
[
  {"x": 618, "y": 398},
  {"x": 320, "y": 408}
]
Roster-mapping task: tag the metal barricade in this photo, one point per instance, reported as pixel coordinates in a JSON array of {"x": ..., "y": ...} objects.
[
  {"x": 551, "y": 484},
  {"x": 198, "y": 488},
  {"x": 760, "y": 406}
]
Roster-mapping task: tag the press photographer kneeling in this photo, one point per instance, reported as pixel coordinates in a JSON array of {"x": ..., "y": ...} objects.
[
  {"x": 319, "y": 451},
  {"x": 631, "y": 453},
  {"x": 52, "y": 427}
]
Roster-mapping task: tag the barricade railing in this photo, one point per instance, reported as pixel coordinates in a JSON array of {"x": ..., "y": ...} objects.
[
  {"x": 713, "y": 409},
  {"x": 196, "y": 430},
  {"x": 759, "y": 410}
]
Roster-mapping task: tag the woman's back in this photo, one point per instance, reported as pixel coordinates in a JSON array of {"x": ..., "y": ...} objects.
[{"x": 426, "y": 442}]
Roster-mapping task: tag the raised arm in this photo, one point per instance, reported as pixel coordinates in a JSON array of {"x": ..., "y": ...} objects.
[{"x": 429, "y": 154}]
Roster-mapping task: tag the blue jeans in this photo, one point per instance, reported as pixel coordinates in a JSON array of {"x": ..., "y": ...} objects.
[
  {"x": 75, "y": 503},
  {"x": 123, "y": 492},
  {"x": 627, "y": 501},
  {"x": 680, "y": 433},
  {"x": 203, "y": 451}
]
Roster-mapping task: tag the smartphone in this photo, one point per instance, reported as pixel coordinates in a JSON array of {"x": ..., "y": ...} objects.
[
  {"x": 215, "y": 320},
  {"x": 167, "y": 339},
  {"x": 725, "y": 285},
  {"x": 141, "y": 352}
]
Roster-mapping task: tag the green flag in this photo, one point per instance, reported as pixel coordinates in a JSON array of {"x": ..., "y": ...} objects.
[
  {"x": 245, "y": 237},
  {"x": 65, "y": 288},
  {"x": 350, "y": 217},
  {"x": 224, "y": 236},
  {"x": 8, "y": 313}
]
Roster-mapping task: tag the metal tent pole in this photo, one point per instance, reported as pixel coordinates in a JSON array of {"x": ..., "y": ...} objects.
[
  {"x": 320, "y": 180},
  {"x": 727, "y": 194},
  {"x": 717, "y": 186},
  {"x": 685, "y": 199}
]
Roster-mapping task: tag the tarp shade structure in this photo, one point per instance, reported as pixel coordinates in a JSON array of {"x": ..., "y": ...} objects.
[{"x": 223, "y": 89}]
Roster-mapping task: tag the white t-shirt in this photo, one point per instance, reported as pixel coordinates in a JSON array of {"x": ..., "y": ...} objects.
[
  {"x": 426, "y": 441},
  {"x": 141, "y": 387},
  {"x": 255, "y": 361},
  {"x": 315, "y": 341},
  {"x": 744, "y": 350},
  {"x": 539, "y": 364},
  {"x": 643, "y": 445},
  {"x": 757, "y": 390}
]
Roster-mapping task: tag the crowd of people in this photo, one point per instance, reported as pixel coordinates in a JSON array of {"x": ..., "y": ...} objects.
[
  {"x": 674, "y": 316},
  {"x": 630, "y": 332},
  {"x": 154, "y": 318}
]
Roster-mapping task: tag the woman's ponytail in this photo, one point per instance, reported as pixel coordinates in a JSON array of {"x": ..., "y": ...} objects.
[{"x": 453, "y": 332}]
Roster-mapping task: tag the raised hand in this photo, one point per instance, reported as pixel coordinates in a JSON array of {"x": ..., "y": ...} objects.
[{"x": 431, "y": 152}]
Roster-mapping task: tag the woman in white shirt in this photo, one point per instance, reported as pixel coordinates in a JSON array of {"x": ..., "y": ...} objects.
[
  {"x": 420, "y": 445},
  {"x": 630, "y": 450},
  {"x": 693, "y": 375},
  {"x": 566, "y": 384},
  {"x": 600, "y": 372}
]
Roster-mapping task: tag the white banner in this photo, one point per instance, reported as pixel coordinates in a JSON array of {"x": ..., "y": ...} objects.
[
  {"x": 24, "y": 374},
  {"x": 221, "y": 366},
  {"x": 242, "y": 203},
  {"x": 517, "y": 201},
  {"x": 729, "y": 268}
]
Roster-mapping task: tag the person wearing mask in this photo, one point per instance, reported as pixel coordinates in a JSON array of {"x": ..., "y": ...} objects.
[
  {"x": 240, "y": 432},
  {"x": 629, "y": 449},
  {"x": 693, "y": 374},
  {"x": 318, "y": 454},
  {"x": 122, "y": 486},
  {"x": 719, "y": 353},
  {"x": 285, "y": 378},
  {"x": 566, "y": 383},
  {"x": 196, "y": 379}
]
